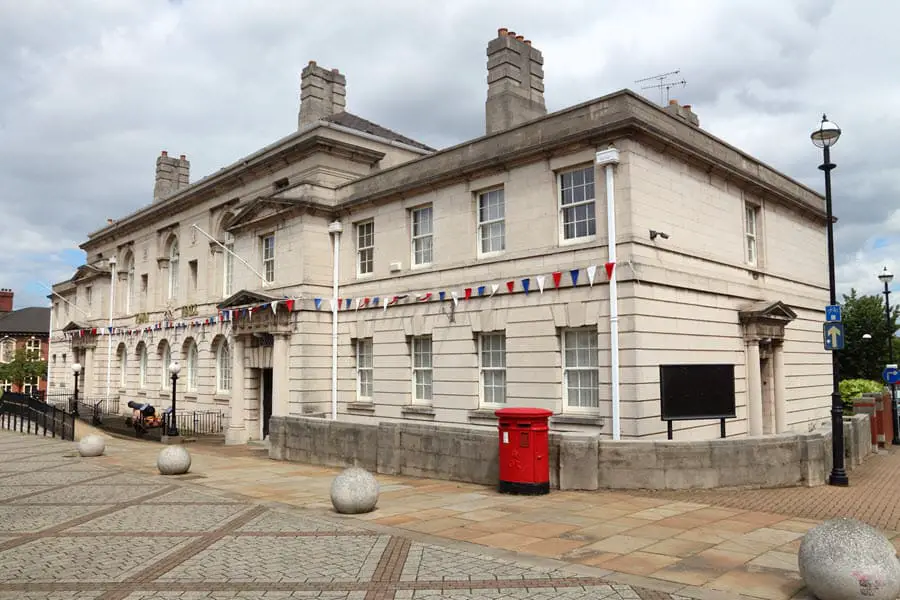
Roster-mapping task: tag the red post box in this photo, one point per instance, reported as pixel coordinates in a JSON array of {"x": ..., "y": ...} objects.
[{"x": 524, "y": 450}]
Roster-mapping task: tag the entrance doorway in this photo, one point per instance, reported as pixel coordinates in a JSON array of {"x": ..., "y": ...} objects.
[{"x": 265, "y": 401}]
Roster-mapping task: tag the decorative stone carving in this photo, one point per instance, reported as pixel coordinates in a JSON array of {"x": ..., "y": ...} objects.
[
  {"x": 91, "y": 445},
  {"x": 174, "y": 460},
  {"x": 846, "y": 559},
  {"x": 354, "y": 491}
]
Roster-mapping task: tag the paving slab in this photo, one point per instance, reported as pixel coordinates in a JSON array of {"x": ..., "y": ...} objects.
[{"x": 110, "y": 528}]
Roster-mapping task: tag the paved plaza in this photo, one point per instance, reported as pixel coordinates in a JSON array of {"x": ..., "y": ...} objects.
[
  {"x": 79, "y": 528},
  {"x": 242, "y": 526}
]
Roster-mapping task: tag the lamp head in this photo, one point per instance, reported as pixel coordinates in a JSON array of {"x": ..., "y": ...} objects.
[
  {"x": 76, "y": 368},
  {"x": 867, "y": 336},
  {"x": 826, "y": 134},
  {"x": 174, "y": 367},
  {"x": 886, "y": 276}
]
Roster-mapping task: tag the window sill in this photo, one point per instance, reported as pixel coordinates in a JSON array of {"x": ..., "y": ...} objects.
[
  {"x": 368, "y": 407},
  {"x": 578, "y": 419},
  {"x": 190, "y": 396},
  {"x": 579, "y": 240},
  {"x": 420, "y": 411},
  {"x": 483, "y": 414},
  {"x": 222, "y": 399},
  {"x": 142, "y": 393}
]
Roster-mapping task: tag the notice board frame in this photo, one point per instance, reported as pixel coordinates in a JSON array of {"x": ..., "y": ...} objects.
[{"x": 728, "y": 412}]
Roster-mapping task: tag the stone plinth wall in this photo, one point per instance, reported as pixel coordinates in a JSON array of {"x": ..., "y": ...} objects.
[{"x": 577, "y": 461}]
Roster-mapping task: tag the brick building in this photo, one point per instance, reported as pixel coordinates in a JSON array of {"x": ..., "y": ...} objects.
[
  {"x": 24, "y": 329},
  {"x": 557, "y": 261}
]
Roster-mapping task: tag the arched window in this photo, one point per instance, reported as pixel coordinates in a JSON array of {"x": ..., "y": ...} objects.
[
  {"x": 223, "y": 368},
  {"x": 173, "y": 270},
  {"x": 192, "y": 365},
  {"x": 142, "y": 365},
  {"x": 123, "y": 366},
  {"x": 165, "y": 357},
  {"x": 129, "y": 283}
]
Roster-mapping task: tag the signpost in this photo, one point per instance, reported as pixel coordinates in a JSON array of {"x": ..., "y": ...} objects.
[
  {"x": 891, "y": 375},
  {"x": 833, "y": 313},
  {"x": 833, "y": 334}
]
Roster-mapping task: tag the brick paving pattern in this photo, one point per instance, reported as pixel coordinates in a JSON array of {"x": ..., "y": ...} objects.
[{"x": 71, "y": 529}]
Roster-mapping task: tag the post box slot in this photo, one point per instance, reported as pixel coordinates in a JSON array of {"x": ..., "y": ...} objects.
[
  {"x": 523, "y": 425},
  {"x": 523, "y": 439}
]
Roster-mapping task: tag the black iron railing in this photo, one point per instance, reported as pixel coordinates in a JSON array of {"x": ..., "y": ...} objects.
[
  {"x": 197, "y": 422},
  {"x": 25, "y": 414}
]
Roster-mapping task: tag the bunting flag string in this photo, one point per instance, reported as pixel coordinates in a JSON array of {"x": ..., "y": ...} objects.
[{"x": 188, "y": 323}]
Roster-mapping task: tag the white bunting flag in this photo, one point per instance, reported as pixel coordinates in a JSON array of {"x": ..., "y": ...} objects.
[
  {"x": 455, "y": 296},
  {"x": 591, "y": 273},
  {"x": 540, "y": 280},
  {"x": 494, "y": 288},
  {"x": 275, "y": 307}
]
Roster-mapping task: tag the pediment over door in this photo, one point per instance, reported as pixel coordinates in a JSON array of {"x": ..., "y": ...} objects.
[
  {"x": 766, "y": 319},
  {"x": 261, "y": 209},
  {"x": 247, "y": 298}
]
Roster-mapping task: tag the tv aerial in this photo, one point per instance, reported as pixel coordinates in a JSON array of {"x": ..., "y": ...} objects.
[{"x": 663, "y": 84}]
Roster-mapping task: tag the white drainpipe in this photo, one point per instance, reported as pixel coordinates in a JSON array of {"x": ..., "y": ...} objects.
[
  {"x": 112, "y": 304},
  {"x": 335, "y": 228},
  {"x": 610, "y": 158}
]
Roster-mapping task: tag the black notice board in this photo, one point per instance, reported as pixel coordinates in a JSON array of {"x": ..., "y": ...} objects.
[{"x": 690, "y": 392}]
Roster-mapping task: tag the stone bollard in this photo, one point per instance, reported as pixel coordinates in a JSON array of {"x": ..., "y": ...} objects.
[
  {"x": 91, "y": 445},
  {"x": 846, "y": 559},
  {"x": 173, "y": 460},
  {"x": 354, "y": 491}
]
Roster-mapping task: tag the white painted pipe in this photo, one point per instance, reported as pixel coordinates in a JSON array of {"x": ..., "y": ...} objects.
[
  {"x": 112, "y": 304},
  {"x": 610, "y": 158},
  {"x": 335, "y": 229}
]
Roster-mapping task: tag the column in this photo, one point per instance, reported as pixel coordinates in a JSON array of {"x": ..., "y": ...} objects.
[
  {"x": 280, "y": 404},
  {"x": 88, "y": 377},
  {"x": 754, "y": 390},
  {"x": 237, "y": 430},
  {"x": 780, "y": 402}
]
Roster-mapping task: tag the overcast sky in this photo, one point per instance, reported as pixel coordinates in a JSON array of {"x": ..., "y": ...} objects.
[{"x": 92, "y": 90}]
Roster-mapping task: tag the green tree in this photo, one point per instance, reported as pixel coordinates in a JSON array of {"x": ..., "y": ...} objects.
[
  {"x": 25, "y": 366},
  {"x": 865, "y": 358}
]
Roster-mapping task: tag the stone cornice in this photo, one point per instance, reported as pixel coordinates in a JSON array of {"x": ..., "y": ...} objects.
[
  {"x": 598, "y": 122},
  {"x": 287, "y": 151}
]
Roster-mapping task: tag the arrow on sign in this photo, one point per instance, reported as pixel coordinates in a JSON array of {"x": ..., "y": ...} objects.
[{"x": 834, "y": 333}]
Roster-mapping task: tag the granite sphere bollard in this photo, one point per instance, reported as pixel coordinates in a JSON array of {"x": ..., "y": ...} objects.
[
  {"x": 846, "y": 559},
  {"x": 173, "y": 460},
  {"x": 91, "y": 445},
  {"x": 354, "y": 491}
]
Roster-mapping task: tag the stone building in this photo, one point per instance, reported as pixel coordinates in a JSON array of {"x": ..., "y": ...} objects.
[{"x": 351, "y": 272}]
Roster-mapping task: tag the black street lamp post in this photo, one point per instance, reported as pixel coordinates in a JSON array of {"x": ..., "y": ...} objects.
[
  {"x": 886, "y": 277},
  {"x": 172, "y": 430},
  {"x": 76, "y": 370},
  {"x": 824, "y": 137}
]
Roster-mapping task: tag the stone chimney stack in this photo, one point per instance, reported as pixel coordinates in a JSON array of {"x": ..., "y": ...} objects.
[
  {"x": 515, "y": 82},
  {"x": 6, "y": 300},
  {"x": 322, "y": 93},
  {"x": 683, "y": 112},
  {"x": 172, "y": 174}
]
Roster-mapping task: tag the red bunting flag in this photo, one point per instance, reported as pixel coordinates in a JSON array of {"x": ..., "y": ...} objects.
[
  {"x": 610, "y": 266},
  {"x": 468, "y": 292},
  {"x": 557, "y": 276},
  {"x": 290, "y": 305},
  {"x": 510, "y": 285}
]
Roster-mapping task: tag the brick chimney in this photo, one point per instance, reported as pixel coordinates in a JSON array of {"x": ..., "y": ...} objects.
[
  {"x": 683, "y": 112},
  {"x": 322, "y": 93},
  {"x": 515, "y": 82},
  {"x": 172, "y": 174},
  {"x": 6, "y": 300}
]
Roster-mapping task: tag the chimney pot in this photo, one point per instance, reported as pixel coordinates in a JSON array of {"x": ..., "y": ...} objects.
[
  {"x": 312, "y": 63},
  {"x": 502, "y": 31},
  {"x": 521, "y": 38},
  {"x": 673, "y": 102},
  {"x": 528, "y": 42},
  {"x": 164, "y": 153},
  {"x": 511, "y": 34},
  {"x": 182, "y": 157}
]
